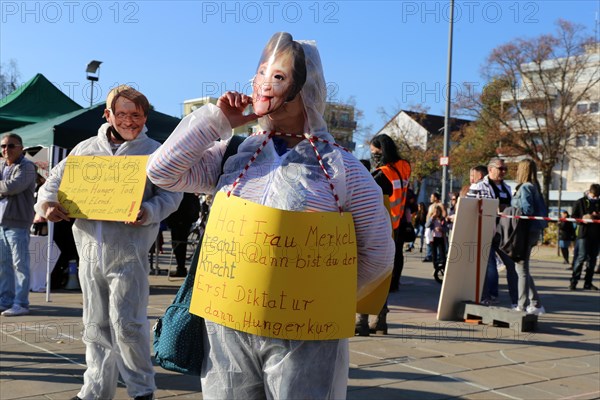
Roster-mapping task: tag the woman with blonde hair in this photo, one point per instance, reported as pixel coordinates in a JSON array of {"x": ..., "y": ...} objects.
[{"x": 528, "y": 200}]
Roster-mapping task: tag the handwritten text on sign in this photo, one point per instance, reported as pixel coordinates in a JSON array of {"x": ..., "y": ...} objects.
[
  {"x": 283, "y": 274},
  {"x": 108, "y": 188}
]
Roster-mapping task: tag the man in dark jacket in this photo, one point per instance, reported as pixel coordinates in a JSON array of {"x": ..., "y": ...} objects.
[{"x": 588, "y": 238}]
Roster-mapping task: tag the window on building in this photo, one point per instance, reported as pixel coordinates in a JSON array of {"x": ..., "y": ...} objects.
[
  {"x": 582, "y": 108},
  {"x": 590, "y": 140},
  {"x": 344, "y": 117},
  {"x": 594, "y": 107},
  {"x": 586, "y": 173}
]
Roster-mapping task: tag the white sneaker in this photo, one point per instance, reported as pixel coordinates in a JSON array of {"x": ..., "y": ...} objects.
[
  {"x": 517, "y": 308},
  {"x": 15, "y": 310},
  {"x": 536, "y": 310}
]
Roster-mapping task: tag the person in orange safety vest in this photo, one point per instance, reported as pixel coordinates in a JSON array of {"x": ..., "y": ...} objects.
[{"x": 392, "y": 174}]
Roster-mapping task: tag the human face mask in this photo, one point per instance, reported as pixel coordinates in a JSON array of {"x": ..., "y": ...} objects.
[
  {"x": 271, "y": 85},
  {"x": 127, "y": 119},
  {"x": 280, "y": 75}
]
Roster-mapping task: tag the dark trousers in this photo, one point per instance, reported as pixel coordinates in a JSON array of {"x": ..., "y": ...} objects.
[
  {"x": 565, "y": 253},
  {"x": 587, "y": 251},
  {"x": 179, "y": 236},
  {"x": 398, "y": 261},
  {"x": 438, "y": 251}
]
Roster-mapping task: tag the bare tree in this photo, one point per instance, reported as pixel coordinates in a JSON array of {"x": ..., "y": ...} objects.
[
  {"x": 536, "y": 87},
  {"x": 9, "y": 78}
]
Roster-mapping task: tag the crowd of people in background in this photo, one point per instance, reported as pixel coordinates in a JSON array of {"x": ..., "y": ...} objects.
[
  {"x": 433, "y": 225},
  {"x": 113, "y": 256}
]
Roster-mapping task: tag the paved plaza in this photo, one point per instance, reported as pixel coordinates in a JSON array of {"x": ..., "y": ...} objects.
[{"x": 42, "y": 355}]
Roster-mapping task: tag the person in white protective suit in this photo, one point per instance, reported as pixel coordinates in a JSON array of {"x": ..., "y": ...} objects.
[
  {"x": 113, "y": 264},
  {"x": 289, "y": 98}
]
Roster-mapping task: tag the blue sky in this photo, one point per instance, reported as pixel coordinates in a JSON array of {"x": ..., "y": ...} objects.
[{"x": 384, "y": 54}]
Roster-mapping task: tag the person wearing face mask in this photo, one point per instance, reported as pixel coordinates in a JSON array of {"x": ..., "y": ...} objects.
[
  {"x": 288, "y": 98},
  {"x": 392, "y": 174},
  {"x": 113, "y": 258},
  {"x": 588, "y": 238}
]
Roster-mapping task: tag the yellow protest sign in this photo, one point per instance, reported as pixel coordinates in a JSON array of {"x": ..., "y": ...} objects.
[
  {"x": 378, "y": 292},
  {"x": 282, "y": 274},
  {"x": 375, "y": 299},
  {"x": 108, "y": 188}
]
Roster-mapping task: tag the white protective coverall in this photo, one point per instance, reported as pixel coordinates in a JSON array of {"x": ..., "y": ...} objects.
[
  {"x": 113, "y": 272},
  {"x": 242, "y": 365}
]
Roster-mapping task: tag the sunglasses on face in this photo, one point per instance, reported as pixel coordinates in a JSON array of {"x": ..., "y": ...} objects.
[
  {"x": 504, "y": 169},
  {"x": 9, "y": 146}
]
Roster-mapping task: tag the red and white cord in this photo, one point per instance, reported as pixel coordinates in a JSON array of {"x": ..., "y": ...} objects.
[
  {"x": 249, "y": 163},
  {"x": 580, "y": 220},
  {"x": 311, "y": 139}
]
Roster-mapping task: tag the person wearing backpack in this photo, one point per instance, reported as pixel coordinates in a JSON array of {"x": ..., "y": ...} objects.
[{"x": 293, "y": 164}]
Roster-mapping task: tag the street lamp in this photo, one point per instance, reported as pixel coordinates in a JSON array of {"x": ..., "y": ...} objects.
[{"x": 93, "y": 75}]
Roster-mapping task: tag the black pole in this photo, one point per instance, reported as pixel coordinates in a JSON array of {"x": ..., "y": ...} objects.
[{"x": 92, "y": 94}]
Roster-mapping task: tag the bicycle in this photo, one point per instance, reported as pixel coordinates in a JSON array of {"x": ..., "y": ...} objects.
[
  {"x": 193, "y": 239},
  {"x": 438, "y": 273}
]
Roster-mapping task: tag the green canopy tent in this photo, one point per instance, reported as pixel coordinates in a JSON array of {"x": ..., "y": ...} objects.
[
  {"x": 57, "y": 135},
  {"x": 34, "y": 101}
]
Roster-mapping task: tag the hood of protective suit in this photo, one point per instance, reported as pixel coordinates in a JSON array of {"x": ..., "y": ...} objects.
[
  {"x": 289, "y": 182},
  {"x": 313, "y": 93}
]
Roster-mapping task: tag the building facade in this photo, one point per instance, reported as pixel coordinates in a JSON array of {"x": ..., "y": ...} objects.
[
  {"x": 341, "y": 122},
  {"x": 567, "y": 88}
]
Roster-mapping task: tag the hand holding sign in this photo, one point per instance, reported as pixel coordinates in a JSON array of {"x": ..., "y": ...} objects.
[
  {"x": 103, "y": 188},
  {"x": 54, "y": 212}
]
